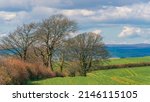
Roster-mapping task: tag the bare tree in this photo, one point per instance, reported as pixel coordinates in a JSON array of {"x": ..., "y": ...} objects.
[
  {"x": 60, "y": 55},
  {"x": 19, "y": 41},
  {"x": 50, "y": 34},
  {"x": 84, "y": 48}
]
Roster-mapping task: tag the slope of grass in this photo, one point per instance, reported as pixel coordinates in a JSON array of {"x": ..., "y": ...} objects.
[
  {"x": 129, "y": 60},
  {"x": 134, "y": 76}
]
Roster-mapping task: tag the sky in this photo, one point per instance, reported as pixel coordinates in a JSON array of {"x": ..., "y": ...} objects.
[{"x": 118, "y": 21}]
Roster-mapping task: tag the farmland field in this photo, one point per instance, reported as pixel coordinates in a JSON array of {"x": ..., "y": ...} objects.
[
  {"x": 129, "y": 60},
  {"x": 128, "y": 76},
  {"x": 125, "y": 76}
]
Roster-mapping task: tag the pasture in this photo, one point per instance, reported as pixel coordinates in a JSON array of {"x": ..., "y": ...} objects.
[{"x": 126, "y": 76}]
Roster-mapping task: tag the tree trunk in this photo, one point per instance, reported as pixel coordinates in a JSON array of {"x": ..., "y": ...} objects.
[
  {"x": 84, "y": 69},
  {"x": 83, "y": 72},
  {"x": 90, "y": 63},
  {"x": 62, "y": 62},
  {"x": 25, "y": 54},
  {"x": 50, "y": 62}
]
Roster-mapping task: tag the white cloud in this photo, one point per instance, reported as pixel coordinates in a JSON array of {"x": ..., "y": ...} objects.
[
  {"x": 7, "y": 15},
  {"x": 78, "y": 12},
  {"x": 43, "y": 9},
  {"x": 51, "y": 3},
  {"x": 130, "y": 32},
  {"x": 147, "y": 41},
  {"x": 80, "y": 15},
  {"x": 2, "y": 34},
  {"x": 97, "y": 31},
  {"x": 133, "y": 12},
  {"x": 111, "y": 14},
  {"x": 22, "y": 14}
]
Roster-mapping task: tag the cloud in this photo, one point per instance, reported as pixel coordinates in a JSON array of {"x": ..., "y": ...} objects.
[
  {"x": 13, "y": 3},
  {"x": 100, "y": 3},
  {"x": 97, "y": 31},
  {"x": 78, "y": 12},
  {"x": 136, "y": 13},
  {"x": 129, "y": 32},
  {"x": 91, "y": 15},
  {"x": 130, "y": 13},
  {"x": 43, "y": 12},
  {"x": 52, "y": 3},
  {"x": 39, "y": 9},
  {"x": 7, "y": 16},
  {"x": 2, "y": 34},
  {"x": 132, "y": 32},
  {"x": 16, "y": 5},
  {"x": 112, "y": 13}
]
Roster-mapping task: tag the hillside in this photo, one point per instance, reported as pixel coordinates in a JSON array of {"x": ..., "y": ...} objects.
[
  {"x": 134, "y": 76},
  {"x": 123, "y": 76}
]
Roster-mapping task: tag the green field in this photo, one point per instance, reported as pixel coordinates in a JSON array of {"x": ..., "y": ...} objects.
[
  {"x": 128, "y": 76},
  {"x": 125, "y": 76},
  {"x": 128, "y": 60}
]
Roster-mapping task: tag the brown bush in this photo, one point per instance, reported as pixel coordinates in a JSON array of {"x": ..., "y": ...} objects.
[
  {"x": 37, "y": 71},
  {"x": 16, "y": 69},
  {"x": 20, "y": 71},
  {"x": 4, "y": 77}
]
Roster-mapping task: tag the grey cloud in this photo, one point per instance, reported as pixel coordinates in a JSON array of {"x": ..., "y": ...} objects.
[{"x": 15, "y": 5}]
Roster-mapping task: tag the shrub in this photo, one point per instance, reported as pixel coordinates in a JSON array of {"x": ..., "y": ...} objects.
[
  {"x": 37, "y": 71},
  {"x": 59, "y": 74},
  {"x": 16, "y": 70},
  {"x": 4, "y": 77},
  {"x": 72, "y": 72},
  {"x": 19, "y": 72},
  {"x": 73, "y": 69}
]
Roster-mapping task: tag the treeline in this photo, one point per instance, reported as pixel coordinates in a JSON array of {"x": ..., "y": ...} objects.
[{"x": 51, "y": 42}]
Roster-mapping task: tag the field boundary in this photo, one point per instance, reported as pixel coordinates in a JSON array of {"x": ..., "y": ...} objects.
[{"x": 116, "y": 66}]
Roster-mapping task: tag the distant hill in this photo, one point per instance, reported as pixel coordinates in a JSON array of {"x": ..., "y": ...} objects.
[{"x": 128, "y": 45}]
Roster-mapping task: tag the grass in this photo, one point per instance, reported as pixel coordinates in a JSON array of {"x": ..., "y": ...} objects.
[
  {"x": 128, "y": 76},
  {"x": 129, "y": 60}
]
